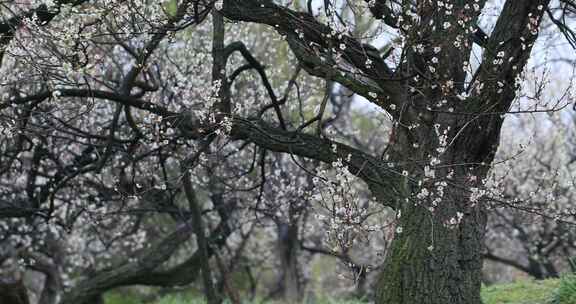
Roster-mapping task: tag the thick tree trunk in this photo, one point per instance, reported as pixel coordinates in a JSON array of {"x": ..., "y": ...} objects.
[
  {"x": 433, "y": 261},
  {"x": 436, "y": 255}
]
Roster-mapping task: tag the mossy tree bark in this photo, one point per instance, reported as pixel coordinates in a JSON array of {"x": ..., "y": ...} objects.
[
  {"x": 432, "y": 263},
  {"x": 436, "y": 255}
]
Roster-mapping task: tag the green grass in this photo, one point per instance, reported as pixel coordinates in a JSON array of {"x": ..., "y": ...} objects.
[
  {"x": 551, "y": 291},
  {"x": 522, "y": 292},
  {"x": 121, "y": 298},
  {"x": 179, "y": 299},
  {"x": 566, "y": 292}
]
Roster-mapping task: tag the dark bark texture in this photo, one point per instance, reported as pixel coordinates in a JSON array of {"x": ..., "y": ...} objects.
[{"x": 437, "y": 256}]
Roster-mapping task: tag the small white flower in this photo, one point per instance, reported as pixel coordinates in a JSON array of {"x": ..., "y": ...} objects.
[{"x": 219, "y": 4}]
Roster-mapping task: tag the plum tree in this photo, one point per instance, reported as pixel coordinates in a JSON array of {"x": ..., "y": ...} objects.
[{"x": 114, "y": 110}]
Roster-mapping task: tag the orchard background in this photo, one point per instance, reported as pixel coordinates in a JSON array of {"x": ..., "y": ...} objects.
[{"x": 301, "y": 151}]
